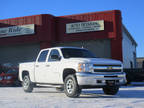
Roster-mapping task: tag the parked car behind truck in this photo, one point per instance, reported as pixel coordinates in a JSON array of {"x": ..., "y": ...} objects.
[
  {"x": 74, "y": 69},
  {"x": 9, "y": 75}
]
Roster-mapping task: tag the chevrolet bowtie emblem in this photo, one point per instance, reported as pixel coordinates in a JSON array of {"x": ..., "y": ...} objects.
[{"x": 109, "y": 67}]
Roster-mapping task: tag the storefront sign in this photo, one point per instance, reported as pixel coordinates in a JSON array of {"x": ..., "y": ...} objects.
[
  {"x": 17, "y": 30},
  {"x": 85, "y": 26}
]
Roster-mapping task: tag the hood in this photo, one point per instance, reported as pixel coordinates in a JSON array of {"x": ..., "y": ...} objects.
[
  {"x": 95, "y": 61},
  {"x": 7, "y": 74}
]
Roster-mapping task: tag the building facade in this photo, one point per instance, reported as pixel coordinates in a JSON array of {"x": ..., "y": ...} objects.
[
  {"x": 101, "y": 32},
  {"x": 140, "y": 62}
]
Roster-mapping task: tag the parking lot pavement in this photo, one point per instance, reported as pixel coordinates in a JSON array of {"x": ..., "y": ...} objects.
[{"x": 15, "y": 97}]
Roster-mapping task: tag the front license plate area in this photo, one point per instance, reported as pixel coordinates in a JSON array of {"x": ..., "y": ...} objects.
[{"x": 110, "y": 82}]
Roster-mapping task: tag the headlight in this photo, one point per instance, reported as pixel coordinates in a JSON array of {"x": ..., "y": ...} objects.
[
  {"x": 122, "y": 75},
  {"x": 85, "y": 67},
  {"x": 9, "y": 77},
  {"x": 1, "y": 78}
]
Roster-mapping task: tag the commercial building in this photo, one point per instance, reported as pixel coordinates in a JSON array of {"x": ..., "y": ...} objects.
[{"x": 101, "y": 32}]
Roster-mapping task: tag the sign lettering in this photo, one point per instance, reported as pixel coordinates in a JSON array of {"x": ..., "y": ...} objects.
[
  {"x": 17, "y": 30},
  {"x": 85, "y": 26}
]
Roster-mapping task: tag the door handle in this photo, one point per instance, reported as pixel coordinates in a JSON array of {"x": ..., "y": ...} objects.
[{"x": 47, "y": 65}]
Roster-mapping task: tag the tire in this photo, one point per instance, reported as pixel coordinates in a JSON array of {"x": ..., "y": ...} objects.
[
  {"x": 111, "y": 90},
  {"x": 27, "y": 84},
  {"x": 71, "y": 87}
]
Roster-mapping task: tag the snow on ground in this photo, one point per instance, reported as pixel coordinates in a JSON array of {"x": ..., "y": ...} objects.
[{"x": 128, "y": 97}]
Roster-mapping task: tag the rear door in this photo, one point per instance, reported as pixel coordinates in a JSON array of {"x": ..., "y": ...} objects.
[{"x": 53, "y": 68}]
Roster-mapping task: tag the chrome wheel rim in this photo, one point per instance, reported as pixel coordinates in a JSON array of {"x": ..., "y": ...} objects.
[
  {"x": 26, "y": 83},
  {"x": 70, "y": 86}
]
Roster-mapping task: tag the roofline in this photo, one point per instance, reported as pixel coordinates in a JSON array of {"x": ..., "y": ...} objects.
[
  {"x": 129, "y": 35},
  {"x": 13, "y": 18},
  {"x": 63, "y": 47},
  {"x": 106, "y": 11},
  {"x": 140, "y": 58},
  {"x": 25, "y": 17}
]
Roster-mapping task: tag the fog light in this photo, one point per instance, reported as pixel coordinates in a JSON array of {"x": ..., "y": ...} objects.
[
  {"x": 122, "y": 75},
  {"x": 121, "y": 80}
]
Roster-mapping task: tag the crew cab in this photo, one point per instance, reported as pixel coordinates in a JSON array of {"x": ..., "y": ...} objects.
[{"x": 73, "y": 69}]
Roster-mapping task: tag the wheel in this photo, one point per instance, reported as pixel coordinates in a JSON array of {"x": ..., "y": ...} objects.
[
  {"x": 27, "y": 84},
  {"x": 111, "y": 90},
  {"x": 71, "y": 87}
]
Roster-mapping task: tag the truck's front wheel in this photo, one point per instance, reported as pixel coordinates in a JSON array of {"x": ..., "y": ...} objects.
[
  {"x": 27, "y": 84},
  {"x": 111, "y": 90},
  {"x": 71, "y": 87}
]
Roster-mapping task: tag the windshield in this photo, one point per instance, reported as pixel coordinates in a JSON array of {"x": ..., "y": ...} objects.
[
  {"x": 12, "y": 71},
  {"x": 76, "y": 53}
]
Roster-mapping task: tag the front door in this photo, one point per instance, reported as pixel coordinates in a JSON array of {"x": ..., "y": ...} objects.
[{"x": 40, "y": 67}]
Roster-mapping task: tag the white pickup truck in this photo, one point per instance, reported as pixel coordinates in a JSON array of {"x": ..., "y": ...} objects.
[{"x": 73, "y": 69}]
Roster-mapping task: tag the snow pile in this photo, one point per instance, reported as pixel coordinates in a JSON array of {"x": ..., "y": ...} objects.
[{"x": 128, "y": 97}]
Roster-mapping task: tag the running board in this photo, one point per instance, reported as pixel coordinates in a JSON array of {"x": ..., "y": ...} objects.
[{"x": 48, "y": 86}]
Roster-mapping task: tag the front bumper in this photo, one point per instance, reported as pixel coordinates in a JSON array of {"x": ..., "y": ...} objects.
[
  {"x": 93, "y": 79},
  {"x": 7, "y": 82}
]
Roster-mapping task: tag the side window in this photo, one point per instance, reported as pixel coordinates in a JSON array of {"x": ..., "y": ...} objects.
[
  {"x": 43, "y": 56},
  {"x": 53, "y": 52}
]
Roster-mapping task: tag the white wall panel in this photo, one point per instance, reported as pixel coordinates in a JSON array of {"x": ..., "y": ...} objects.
[{"x": 128, "y": 49}]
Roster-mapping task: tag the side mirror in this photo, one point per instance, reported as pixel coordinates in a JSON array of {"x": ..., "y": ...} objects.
[{"x": 55, "y": 57}]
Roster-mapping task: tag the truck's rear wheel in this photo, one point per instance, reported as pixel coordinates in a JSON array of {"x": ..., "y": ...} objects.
[
  {"x": 71, "y": 87},
  {"x": 111, "y": 90},
  {"x": 27, "y": 84}
]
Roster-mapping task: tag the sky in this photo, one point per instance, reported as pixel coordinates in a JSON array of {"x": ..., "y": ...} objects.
[{"x": 132, "y": 12}]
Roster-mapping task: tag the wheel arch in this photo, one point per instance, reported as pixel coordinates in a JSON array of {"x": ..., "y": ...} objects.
[
  {"x": 67, "y": 72},
  {"x": 25, "y": 72}
]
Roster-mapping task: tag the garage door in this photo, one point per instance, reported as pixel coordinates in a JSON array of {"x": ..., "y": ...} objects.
[
  {"x": 101, "y": 48},
  {"x": 18, "y": 53}
]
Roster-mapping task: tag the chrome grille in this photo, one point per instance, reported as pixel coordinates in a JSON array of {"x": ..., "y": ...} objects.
[{"x": 107, "y": 68}]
